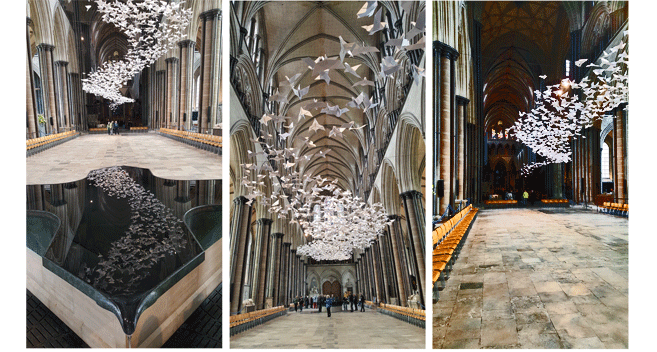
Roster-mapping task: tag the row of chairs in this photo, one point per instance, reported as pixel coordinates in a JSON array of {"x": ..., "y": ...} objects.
[
  {"x": 556, "y": 202},
  {"x": 36, "y": 145},
  {"x": 199, "y": 140},
  {"x": 448, "y": 239},
  {"x": 245, "y": 321},
  {"x": 501, "y": 202},
  {"x": 411, "y": 315},
  {"x": 619, "y": 209}
]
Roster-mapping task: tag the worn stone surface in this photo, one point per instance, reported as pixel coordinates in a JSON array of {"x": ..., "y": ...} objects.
[
  {"x": 310, "y": 330},
  {"x": 165, "y": 157},
  {"x": 556, "y": 279}
]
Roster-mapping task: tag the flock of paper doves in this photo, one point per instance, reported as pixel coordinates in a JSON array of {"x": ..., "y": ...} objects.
[
  {"x": 560, "y": 114},
  {"x": 154, "y": 233},
  {"x": 149, "y": 37},
  {"x": 334, "y": 222}
]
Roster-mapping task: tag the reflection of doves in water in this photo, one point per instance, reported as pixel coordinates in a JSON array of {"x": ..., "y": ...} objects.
[{"x": 138, "y": 250}]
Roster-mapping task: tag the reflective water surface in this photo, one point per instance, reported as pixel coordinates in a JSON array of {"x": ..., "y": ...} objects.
[{"x": 122, "y": 238}]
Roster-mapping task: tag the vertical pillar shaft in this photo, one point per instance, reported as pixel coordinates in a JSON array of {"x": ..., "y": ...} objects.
[
  {"x": 261, "y": 257},
  {"x": 398, "y": 254},
  {"x": 239, "y": 237},
  {"x": 48, "y": 87},
  {"x": 413, "y": 207}
]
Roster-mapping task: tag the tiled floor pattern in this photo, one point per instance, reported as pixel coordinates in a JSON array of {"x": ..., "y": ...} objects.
[
  {"x": 526, "y": 278},
  {"x": 311, "y": 329},
  {"x": 165, "y": 157},
  {"x": 201, "y": 330}
]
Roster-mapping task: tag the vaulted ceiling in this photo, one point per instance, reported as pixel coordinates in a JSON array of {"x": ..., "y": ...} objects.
[
  {"x": 297, "y": 30},
  {"x": 521, "y": 40}
]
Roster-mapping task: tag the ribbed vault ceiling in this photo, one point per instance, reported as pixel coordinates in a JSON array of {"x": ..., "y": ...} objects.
[{"x": 298, "y": 30}]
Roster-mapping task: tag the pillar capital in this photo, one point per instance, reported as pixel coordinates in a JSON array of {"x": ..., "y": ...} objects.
[
  {"x": 244, "y": 31},
  {"x": 293, "y": 250},
  {"x": 264, "y": 221},
  {"x": 278, "y": 235},
  {"x": 411, "y": 194},
  {"x": 45, "y": 47},
  {"x": 29, "y": 21},
  {"x": 462, "y": 100},
  {"x": 287, "y": 244},
  {"x": 240, "y": 200},
  {"x": 394, "y": 217},
  {"x": 171, "y": 59},
  {"x": 186, "y": 43},
  {"x": 210, "y": 14},
  {"x": 444, "y": 50},
  {"x": 61, "y": 63}
]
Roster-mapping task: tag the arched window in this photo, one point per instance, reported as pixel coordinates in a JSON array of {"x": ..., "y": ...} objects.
[{"x": 604, "y": 159}]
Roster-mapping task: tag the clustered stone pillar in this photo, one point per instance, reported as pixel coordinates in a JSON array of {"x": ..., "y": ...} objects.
[
  {"x": 415, "y": 220},
  {"x": 260, "y": 261},
  {"x": 31, "y": 115},
  {"x": 274, "y": 272},
  {"x": 185, "y": 83},
  {"x": 462, "y": 105},
  {"x": 586, "y": 166},
  {"x": 445, "y": 59},
  {"x": 285, "y": 272},
  {"x": 172, "y": 68},
  {"x": 397, "y": 245},
  {"x": 620, "y": 156},
  {"x": 210, "y": 67},
  {"x": 62, "y": 88},
  {"x": 45, "y": 52},
  {"x": 239, "y": 232}
]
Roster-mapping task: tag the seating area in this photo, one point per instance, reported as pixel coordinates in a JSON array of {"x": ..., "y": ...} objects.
[
  {"x": 448, "y": 239},
  {"x": 138, "y": 129},
  {"x": 245, "y": 321},
  {"x": 555, "y": 202},
  {"x": 618, "y": 209},
  {"x": 410, "y": 315},
  {"x": 36, "y": 145},
  {"x": 98, "y": 130},
  {"x": 501, "y": 203},
  {"x": 203, "y": 141}
]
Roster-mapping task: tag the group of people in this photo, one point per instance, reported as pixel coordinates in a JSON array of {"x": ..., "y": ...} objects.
[
  {"x": 327, "y": 301},
  {"x": 112, "y": 127}
]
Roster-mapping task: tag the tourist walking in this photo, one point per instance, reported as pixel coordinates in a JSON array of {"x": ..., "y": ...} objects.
[
  {"x": 296, "y": 303},
  {"x": 329, "y": 302}
]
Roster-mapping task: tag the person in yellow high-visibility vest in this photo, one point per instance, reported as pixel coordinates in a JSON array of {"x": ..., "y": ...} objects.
[{"x": 525, "y": 196}]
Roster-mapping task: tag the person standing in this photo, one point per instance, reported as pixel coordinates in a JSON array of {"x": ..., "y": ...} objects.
[
  {"x": 320, "y": 301},
  {"x": 351, "y": 301},
  {"x": 300, "y": 304},
  {"x": 329, "y": 302},
  {"x": 296, "y": 303},
  {"x": 362, "y": 302},
  {"x": 109, "y": 128},
  {"x": 525, "y": 196}
]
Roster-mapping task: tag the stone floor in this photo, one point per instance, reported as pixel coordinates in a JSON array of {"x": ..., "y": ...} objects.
[
  {"x": 530, "y": 278},
  {"x": 165, "y": 158},
  {"x": 310, "y": 329}
]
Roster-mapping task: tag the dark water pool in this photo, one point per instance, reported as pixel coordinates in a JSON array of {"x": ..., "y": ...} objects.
[{"x": 122, "y": 239}]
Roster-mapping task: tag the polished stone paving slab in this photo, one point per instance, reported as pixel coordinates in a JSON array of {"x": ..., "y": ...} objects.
[
  {"x": 529, "y": 278},
  {"x": 165, "y": 157},
  {"x": 311, "y": 329}
]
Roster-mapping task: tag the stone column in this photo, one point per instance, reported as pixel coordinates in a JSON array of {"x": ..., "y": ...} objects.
[
  {"x": 294, "y": 269},
  {"x": 239, "y": 232},
  {"x": 398, "y": 254},
  {"x": 171, "y": 64},
  {"x": 274, "y": 270},
  {"x": 383, "y": 250},
  {"x": 619, "y": 134},
  {"x": 377, "y": 276},
  {"x": 446, "y": 95},
  {"x": 210, "y": 67},
  {"x": 185, "y": 83},
  {"x": 48, "y": 87},
  {"x": 461, "y": 123},
  {"x": 31, "y": 115},
  {"x": 415, "y": 219},
  {"x": 285, "y": 272},
  {"x": 62, "y": 89},
  {"x": 261, "y": 250}
]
